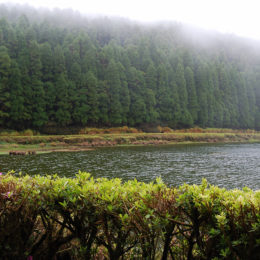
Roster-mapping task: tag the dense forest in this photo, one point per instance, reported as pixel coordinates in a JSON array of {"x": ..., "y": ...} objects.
[{"x": 64, "y": 69}]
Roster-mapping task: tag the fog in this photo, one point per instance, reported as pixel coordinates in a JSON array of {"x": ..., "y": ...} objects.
[
  {"x": 233, "y": 17},
  {"x": 127, "y": 71}
]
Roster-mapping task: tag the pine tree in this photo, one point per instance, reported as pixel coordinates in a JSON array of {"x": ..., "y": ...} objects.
[
  {"x": 151, "y": 77},
  {"x": 244, "y": 113},
  {"x": 124, "y": 93},
  {"x": 181, "y": 84},
  {"x": 113, "y": 82},
  {"x": 226, "y": 95},
  {"x": 46, "y": 62},
  {"x": 92, "y": 97},
  {"x": 191, "y": 92},
  {"x": 23, "y": 61},
  {"x": 185, "y": 116},
  {"x": 50, "y": 99},
  {"x": 136, "y": 85},
  {"x": 38, "y": 106},
  {"x": 62, "y": 110},
  {"x": 103, "y": 102},
  {"x": 202, "y": 86},
  {"x": 162, "y": 94},
  {"x": 59, "y": 61},
  {"x": 5, "y": 66},
  {"x": 16, "y": 115},
  {"x": 175, "y": 105},
  {"x": 150, "y": 104}
]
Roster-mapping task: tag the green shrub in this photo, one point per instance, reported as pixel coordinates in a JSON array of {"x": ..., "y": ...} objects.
[
  {"x": 27, "y": 132},
  {"x": 112, "y": 130},
  {"x": 87, "y": 218}
]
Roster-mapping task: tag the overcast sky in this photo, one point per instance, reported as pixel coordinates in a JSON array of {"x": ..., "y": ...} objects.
[{"x": 230, "y": 16}]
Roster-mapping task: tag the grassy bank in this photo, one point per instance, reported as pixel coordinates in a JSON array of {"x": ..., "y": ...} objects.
[
  {"x": 86, "y": 218},
  {"x": 47, "y": 143}
]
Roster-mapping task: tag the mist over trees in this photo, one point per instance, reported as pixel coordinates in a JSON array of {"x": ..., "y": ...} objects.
[{"x": 61, "y": 68}]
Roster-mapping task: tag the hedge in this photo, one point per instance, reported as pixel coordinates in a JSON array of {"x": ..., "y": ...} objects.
[{"x": 85, "y": 218}]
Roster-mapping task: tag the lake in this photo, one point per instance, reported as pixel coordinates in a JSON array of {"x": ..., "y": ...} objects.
[{"x": 225, "y": 165}]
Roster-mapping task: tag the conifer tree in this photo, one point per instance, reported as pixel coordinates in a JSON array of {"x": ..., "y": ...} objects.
[
  {"x": 191, "y": 92},
  {"x": 162, "y": 93},
  {"x": 46, "y": 62},
  {"x": 136, "y": 85},
  {"x": 92, "y": 97},
  {"x": 202, "y": 85},
  {"x": 62, "y": 111},
  {"x": 39, "y": 115},
  {"x": 186, "y": 119},
  {"x": 16, "y": 114},
  {"x": 151, "y": 77},
  {"x": 113, "y": 81},
  {"x": 5, "y": 66},
  {"x": 124, "y": 93}
]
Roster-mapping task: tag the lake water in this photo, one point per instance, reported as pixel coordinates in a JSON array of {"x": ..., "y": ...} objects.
[{"x": 225, "y": 165}]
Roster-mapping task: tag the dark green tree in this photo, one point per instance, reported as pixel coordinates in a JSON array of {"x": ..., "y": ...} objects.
[
  {"x": 16, "y": 114},
  {"x": 124, "y": 93},
  {"x": 5, "y": 66},
  {"x": 186, "y": 119},
  {"x": 46, "y": 62},
  {"x": 113, "y": 81},
  {"x": 38, "y": 106},
  {"x": 92, "y": 97},
  {"x": 62, "y": 104},
  {"x": 201, "y": 82},
  {"x": 136, "y": 85},
  {"x": 192, "y": 95}
]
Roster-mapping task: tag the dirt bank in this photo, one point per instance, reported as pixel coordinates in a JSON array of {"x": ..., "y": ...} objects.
[{"x": 43, "y": 144}]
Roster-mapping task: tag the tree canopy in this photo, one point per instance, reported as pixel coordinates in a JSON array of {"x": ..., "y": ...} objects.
[{"x": 65, "y": 69}]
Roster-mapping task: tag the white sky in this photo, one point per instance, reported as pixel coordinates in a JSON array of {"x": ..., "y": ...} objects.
[{"x": 230, "y": 16}]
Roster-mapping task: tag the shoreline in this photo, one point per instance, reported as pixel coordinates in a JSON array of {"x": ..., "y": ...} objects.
[{"x": 74, "y": 143}]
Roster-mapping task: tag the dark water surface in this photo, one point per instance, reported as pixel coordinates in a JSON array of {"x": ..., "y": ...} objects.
[{"x": 225, "y": 165}]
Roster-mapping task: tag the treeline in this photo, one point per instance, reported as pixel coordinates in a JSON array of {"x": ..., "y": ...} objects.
[{"x": 58, "y": 68}]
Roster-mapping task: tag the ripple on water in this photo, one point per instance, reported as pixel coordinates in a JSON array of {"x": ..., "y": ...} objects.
[{"x": 225, "y": 165}]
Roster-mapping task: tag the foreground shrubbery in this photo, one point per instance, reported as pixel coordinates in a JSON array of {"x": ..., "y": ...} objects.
[{"x": 87, "y": 218}]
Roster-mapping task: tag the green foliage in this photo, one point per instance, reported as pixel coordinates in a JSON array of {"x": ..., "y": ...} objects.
[
  {"x": 90, "y": 218},
  {"x": 5, "y": 64},
  {"x": 61, "y": 69}
]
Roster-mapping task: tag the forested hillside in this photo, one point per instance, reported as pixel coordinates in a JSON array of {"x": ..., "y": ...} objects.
[{"x": 61, "y": 68}]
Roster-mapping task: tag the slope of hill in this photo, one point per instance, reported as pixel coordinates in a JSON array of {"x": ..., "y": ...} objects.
[{"x": 62, "y": 68}]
